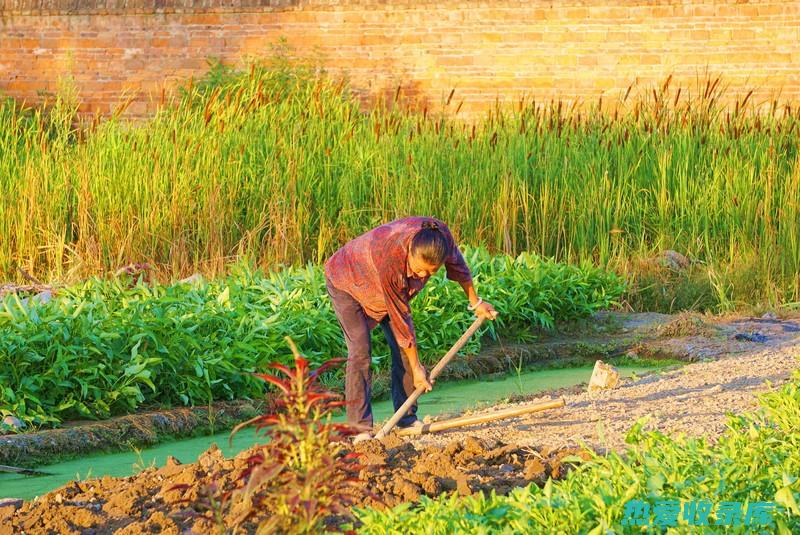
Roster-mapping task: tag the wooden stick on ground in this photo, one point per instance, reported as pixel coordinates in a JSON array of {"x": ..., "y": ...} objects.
[
  {"x": 480, "y": 418},
  {"x": 26, "y": 471},
  {"x": 434, "y": 373}
]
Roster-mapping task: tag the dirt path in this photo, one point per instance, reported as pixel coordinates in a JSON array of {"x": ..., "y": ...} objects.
[{"x": 693, "y": 399}]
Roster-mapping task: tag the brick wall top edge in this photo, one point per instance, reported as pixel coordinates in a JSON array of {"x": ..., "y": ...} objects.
[{"x": 89, "y": 7}]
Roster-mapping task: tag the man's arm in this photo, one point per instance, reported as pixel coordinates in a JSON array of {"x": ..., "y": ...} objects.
[
  {"x": 402, "y": 327},
  {"x": 418, "y": 372}
]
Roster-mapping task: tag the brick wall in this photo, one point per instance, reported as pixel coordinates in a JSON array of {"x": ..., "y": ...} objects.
[{"x": 486, "y": 50}]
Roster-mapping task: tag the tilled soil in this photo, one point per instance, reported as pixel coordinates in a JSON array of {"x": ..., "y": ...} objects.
[
  {"x": 394, "y": 472},
  {"x": 399, "y": 471}
]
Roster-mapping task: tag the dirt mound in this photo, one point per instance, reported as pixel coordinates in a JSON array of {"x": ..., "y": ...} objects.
[
  {"x": 687, "y": 325},
  {"x": 394, "y": 472}
]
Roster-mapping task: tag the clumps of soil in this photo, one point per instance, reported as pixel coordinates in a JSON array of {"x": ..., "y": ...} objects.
[
  {"x": 399, "y": 472},
  {"x": 687, "y": 325},
  {"x": 394, "y": 472},
  {"x": 145, "y": 503}
]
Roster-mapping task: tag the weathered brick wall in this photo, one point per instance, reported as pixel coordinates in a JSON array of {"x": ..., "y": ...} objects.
[{"x": 484, "y": 49}]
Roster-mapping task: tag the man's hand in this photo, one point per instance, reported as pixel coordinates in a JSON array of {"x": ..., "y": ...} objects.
[
  {"x": 486, "y": 310},
  {"x": 421, "y": 378}
]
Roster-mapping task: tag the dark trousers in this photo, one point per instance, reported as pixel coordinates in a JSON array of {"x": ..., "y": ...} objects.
[{"x": 358, "y": 374}]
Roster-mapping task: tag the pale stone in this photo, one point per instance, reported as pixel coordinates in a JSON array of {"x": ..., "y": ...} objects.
[
  {"x": 192, "y": 279},
  {"x": 604, "y": 376}
]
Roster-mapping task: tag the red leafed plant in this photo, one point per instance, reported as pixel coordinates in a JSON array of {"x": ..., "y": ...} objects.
[{"x": 303, "y": 475}]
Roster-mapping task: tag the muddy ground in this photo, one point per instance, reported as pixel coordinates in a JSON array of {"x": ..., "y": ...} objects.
[{"x": 731, "y": 360}]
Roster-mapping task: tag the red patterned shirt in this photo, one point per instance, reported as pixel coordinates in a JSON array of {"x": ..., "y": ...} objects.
[{"x": 373, "y": 268}]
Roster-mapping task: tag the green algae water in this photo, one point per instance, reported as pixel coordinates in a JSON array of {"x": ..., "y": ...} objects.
[{"x": 445, "y": 398}]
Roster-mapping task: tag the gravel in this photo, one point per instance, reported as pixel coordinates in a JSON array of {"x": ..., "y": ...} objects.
[{"x": 694, "y": 399}]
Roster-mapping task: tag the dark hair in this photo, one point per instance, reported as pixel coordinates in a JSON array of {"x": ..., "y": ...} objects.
[{"x": 430, "y": 244}]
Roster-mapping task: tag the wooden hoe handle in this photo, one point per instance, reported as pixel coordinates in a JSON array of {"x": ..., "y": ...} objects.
[{"x": 434, "y": 373}]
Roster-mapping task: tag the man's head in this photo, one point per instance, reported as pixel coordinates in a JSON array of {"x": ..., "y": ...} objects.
[{"x": 428, "y": 250}]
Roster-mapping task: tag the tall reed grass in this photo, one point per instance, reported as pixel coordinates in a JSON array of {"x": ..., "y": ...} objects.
[{"x": 279, "y": 164}]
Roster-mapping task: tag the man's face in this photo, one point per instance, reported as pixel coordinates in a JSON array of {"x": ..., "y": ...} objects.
[{"x": 420, "y": 268}]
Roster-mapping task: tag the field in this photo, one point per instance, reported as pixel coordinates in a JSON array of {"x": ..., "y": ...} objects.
[
  {"x": 182, "y": 256},
  {"x": 663, "y": 440}
]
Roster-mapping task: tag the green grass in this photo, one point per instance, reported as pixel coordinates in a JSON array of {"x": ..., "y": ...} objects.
[
  {"x": 756, "y": 460},
  {"x": 107, "y": 347},
  {"x": 280, "y": 165}
]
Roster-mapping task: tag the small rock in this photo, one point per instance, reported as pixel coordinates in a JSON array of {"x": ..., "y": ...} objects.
[
  {"x": 534, "y": 470},
  {"x": 210, "y": 457},
  {"x": 452, "y": 448},
  {"x": 432, "y": 486},
  {"x": 604, "y": 377},
  {"x": 769, "y": 316},
  {"x": 462, "y": 485},
  {"x": 506, "y": 468},
  {"x": 13, "y": 422},
  {"x": 473, "y": 445},
  {"x": 408, "y": 490},
  {"x": 8, "y": 506}
]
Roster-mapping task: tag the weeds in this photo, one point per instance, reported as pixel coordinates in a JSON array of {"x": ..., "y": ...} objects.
[
  {"x": 140, "y": 464},
  {"x": 278, "y": 164}
]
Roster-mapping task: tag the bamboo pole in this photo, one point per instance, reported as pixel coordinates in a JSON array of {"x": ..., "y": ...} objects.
[
  {"x": 434, "y": 373},
  {"x": 480, "y": 418},
  {"x": 26, "y": 471}
]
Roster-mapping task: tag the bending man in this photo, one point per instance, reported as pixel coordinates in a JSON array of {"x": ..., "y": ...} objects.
[{"x": 371, "y": 281}]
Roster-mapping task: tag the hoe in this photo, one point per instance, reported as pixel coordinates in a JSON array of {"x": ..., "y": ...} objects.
[{"x": 457, "y": 422}]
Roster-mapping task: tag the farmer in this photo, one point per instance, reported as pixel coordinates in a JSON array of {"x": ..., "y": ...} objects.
[{"x": 371, "y": 280}]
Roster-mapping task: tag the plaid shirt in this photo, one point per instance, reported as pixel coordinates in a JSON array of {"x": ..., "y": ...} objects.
[{"x": 373, "y": 268}]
